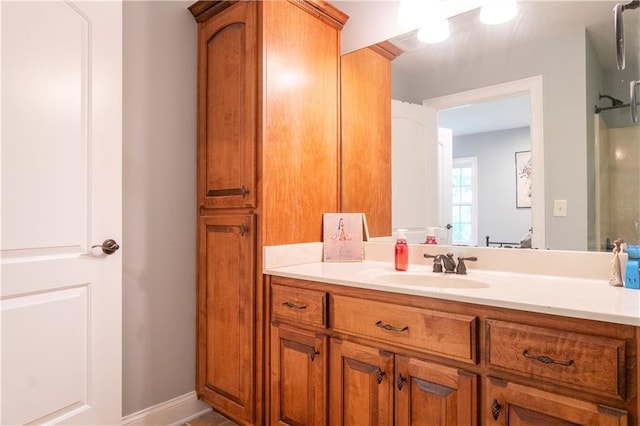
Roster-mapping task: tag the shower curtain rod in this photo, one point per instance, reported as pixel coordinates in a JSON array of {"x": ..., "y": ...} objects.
[{"x": 598, "y": 109}]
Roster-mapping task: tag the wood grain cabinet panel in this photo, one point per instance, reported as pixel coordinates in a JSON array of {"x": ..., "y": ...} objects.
[
  {"x": 298, "y": 377},
  {"x": 226, "y": 293},
  {"x": 227, "y": 132},
  {"x": 361, "y": 385},
  {"x": 430, "y": 394},
  {"x": 435, "y": 332},
  {"x": 299, "y": 305},
  {"x": 513, "y": 404},
  {"x": 582, "y": 361},
  {"x": 366, "y": 135}
]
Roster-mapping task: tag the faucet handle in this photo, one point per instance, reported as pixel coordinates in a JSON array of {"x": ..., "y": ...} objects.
[
  {"x": 437, "y": 261},
  {"x": 461, "y": 269}
]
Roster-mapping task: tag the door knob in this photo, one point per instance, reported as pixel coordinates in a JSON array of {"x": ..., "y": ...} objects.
[{"x": 108, "y": 246}]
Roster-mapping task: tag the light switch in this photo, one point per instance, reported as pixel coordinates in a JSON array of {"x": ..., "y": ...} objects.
[{"x": 560, "y": 208}]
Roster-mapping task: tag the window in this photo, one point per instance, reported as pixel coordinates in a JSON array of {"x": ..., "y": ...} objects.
[{"x": 464, "y": 205}]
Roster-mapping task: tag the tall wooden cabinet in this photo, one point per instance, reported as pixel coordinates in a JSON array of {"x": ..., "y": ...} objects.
[
  {"x": 366, "y": 134},
  {"x": 268, "y": 156}
]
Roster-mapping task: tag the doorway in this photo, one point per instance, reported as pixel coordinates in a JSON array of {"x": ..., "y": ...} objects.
[{"x": 533, "y": 87}]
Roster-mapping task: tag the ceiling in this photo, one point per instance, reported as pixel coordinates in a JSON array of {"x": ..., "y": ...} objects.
[
  {"x": 535, "y": 20},
  {"x": 502, "y": 114}
]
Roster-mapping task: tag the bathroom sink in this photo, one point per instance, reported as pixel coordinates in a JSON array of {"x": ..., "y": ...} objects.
[{"x": 429, "y": 279}]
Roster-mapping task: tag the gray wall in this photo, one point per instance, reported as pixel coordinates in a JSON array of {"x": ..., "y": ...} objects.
[
  {"x": 498, "y": 216},
  {"x": 561, "y": 61},
  {"x": 159, "y": 245}
]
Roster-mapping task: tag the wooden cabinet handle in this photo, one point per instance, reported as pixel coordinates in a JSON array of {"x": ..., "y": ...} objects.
[
  {"x": 380, "y": 375},
  {"x": 294, "y": 305},
  {"x": 242, "y": 191},
  {"x": 495, "y": 409},
  {"x": 545, "y": 359},
  {"x": 389, "y": 327}
]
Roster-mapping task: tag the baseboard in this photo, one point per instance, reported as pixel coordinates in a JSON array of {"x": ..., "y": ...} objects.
[{"x": 176, "y": 411}]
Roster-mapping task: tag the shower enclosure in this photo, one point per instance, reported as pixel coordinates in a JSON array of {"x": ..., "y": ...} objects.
[{"x": 617, "y": 175}]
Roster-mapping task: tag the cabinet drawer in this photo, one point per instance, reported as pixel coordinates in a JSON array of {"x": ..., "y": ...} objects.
[
  {"x": 440, "y": 333},
  {"x": 592, "y": 363},
  {"x": 300, "y": 305}
]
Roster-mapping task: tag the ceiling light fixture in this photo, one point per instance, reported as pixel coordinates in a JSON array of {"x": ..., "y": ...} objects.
[
  {"x": 434, "y": 26},
  {"x": 410, "y": 13},
  {"x": 434, "y": 32},
  {"x": 498, "y": 11}
]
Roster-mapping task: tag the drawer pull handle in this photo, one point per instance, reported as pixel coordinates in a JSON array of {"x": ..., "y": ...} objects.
[
  {"x": 242, "y": 191},
  {"x": 389, "y": 327},
  {"x": 400, "y": 381},
  {"x": 495, "y": 409},
  {"x": 545, "y": 359},
  {"x": 313, "y": 353},
  {"x": 380, "y": 375},
  {"x": 294, "y": 306}
]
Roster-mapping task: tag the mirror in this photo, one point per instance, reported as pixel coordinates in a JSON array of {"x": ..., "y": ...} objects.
[{"x": 590, "y": 160}]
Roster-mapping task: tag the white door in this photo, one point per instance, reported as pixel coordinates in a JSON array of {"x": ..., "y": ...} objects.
[
  {"x": 61, "y": 187},
  {"x": 421, "y": 169}
]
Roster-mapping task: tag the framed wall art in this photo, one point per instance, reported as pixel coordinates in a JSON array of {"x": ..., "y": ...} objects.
[{"x": 523, "y": 179}]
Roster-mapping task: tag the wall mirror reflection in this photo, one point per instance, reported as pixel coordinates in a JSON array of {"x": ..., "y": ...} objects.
[{"x": 553, "y": 70}]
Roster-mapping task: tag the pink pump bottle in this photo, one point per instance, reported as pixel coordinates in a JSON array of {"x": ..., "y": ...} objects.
[{"x": 401, "y": 251}]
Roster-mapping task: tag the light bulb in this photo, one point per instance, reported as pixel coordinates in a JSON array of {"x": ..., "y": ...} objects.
[
  {"x": 498, "y": 11},
  {"x": 410, "y": 13},
  {"x": 434, "y": 32}
]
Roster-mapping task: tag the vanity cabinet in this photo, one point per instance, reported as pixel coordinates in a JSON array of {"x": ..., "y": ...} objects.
[
  {"x": 268, "y": 154},
  {"x": 370, "y": 380},
  {"x": 410, "y": 360}
]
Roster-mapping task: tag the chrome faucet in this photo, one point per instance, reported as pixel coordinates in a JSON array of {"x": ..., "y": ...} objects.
[{"x": 447, "y": 264}]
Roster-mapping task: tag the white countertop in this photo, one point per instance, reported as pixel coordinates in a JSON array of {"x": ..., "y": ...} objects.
[{"x": 579, "y": 297}]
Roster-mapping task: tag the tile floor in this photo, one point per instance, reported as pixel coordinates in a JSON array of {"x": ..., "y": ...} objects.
[{"x": 210, "y": 419}]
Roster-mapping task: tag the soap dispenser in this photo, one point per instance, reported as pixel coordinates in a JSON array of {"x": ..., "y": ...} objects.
[{"x": 401, "y": 251}]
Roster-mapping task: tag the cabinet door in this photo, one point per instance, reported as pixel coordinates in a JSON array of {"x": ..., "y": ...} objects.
[
  {"x": 432, "y": 394},
  {"x": 361, "y": 385},
  {"x": 513, "y": 404},
  {"x": 298, "y": 377},
  {"x": 226, "y": 318},
  {"x": 227, "y": 97}
]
